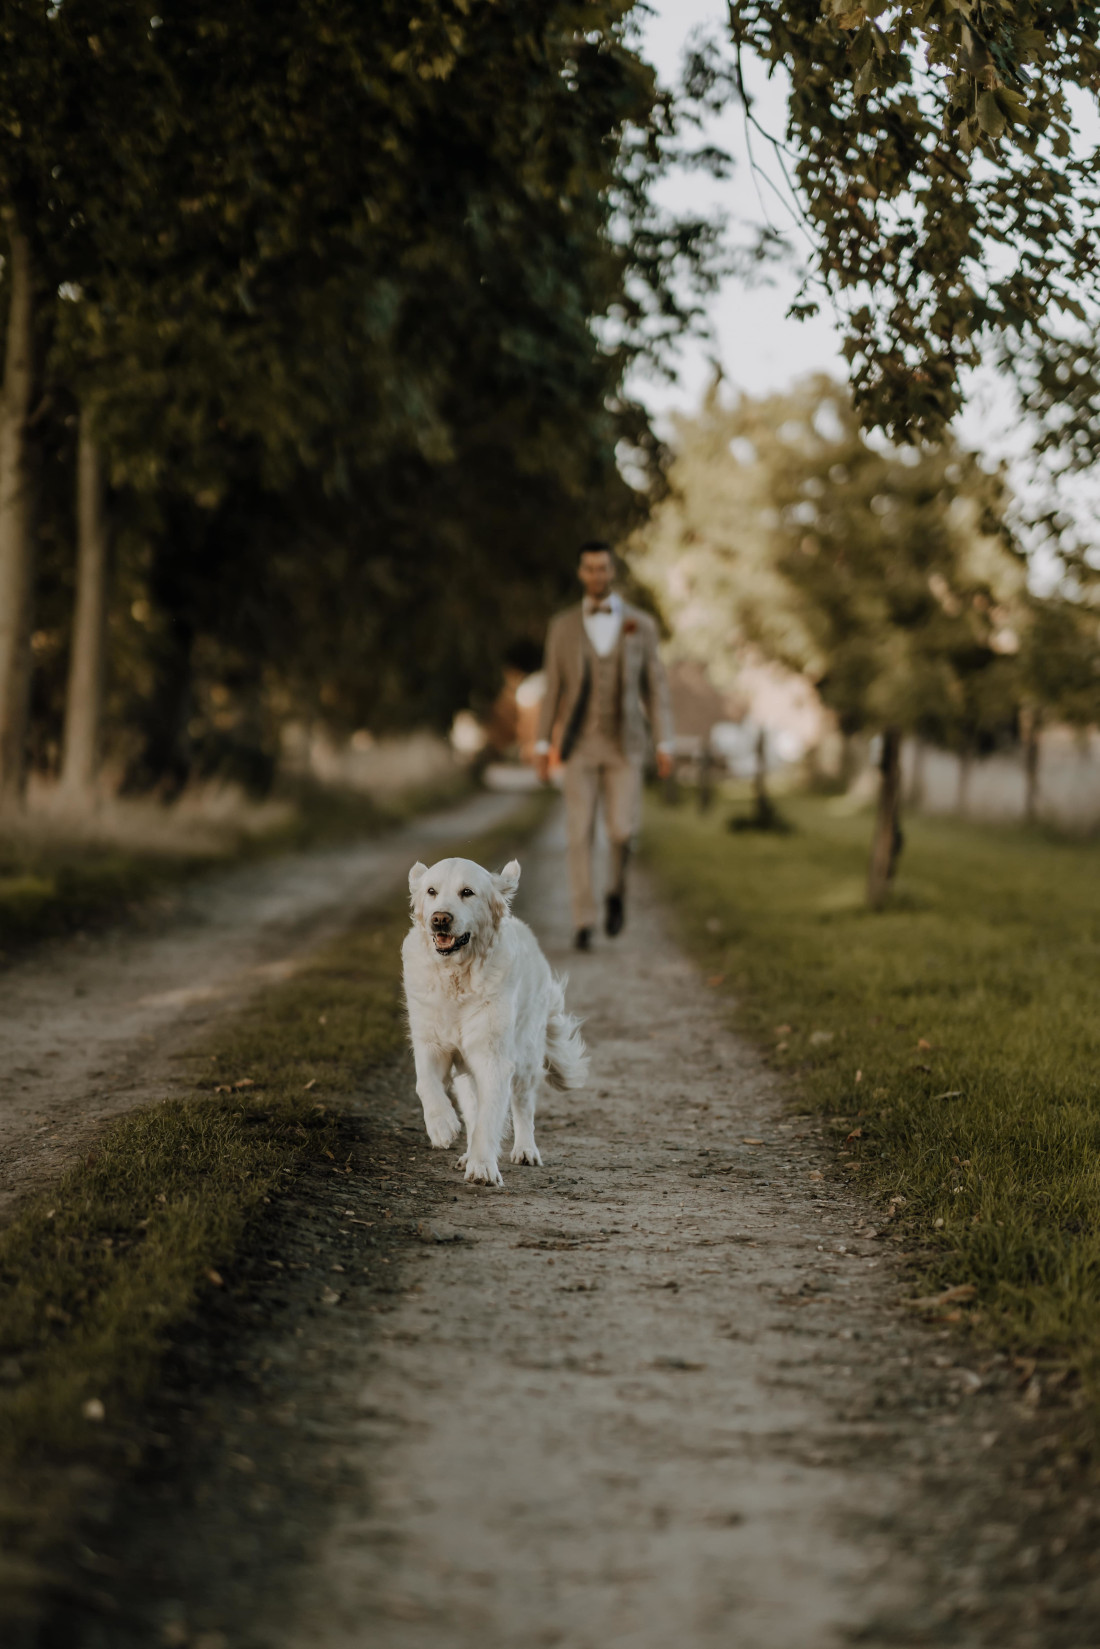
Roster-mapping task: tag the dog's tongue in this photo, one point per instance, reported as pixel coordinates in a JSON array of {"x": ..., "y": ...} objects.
[{"x": 445, "y": 942}]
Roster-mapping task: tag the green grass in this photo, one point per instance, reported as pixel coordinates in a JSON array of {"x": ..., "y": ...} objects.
[
  {"x": 958, "y": 1031},
  {"x": 96, "y": 1275},
  {"x": 50, "y": 887}
]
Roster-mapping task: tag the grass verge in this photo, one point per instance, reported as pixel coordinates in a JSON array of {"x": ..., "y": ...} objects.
[
  {"x": 953, "y": 1039},
  {"x": 51, "y": 886},
  {"x": 96, "y": 1276}
]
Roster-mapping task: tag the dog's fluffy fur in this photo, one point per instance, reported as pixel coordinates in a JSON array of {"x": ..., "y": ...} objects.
[{"x": 486, "y": 1013}]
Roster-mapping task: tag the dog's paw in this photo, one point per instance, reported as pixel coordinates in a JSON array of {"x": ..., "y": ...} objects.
[
  {"x": 443, "y": 1129},
  {"x": 461, "y": 1163},
  {"x": 482, "y": 1172},
  {"x": 529, "y": 1154}
]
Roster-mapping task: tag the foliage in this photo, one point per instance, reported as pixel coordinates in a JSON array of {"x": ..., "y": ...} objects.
[
  {"x": 950, "y": 200},
  {"x": 889, "y": 576},
  {"x": 1062, "y": 660},
  {"x": 350, "y": 292}
]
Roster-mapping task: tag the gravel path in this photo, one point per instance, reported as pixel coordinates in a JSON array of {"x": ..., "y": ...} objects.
[
  {"x": 661, "y": 1392},
  {"x": 96, "y": 1025}
]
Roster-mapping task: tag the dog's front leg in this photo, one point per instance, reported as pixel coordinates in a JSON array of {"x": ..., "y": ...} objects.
[
  {"x": 493, "y": 1080},
  {"x": 433, "y": 1066}
]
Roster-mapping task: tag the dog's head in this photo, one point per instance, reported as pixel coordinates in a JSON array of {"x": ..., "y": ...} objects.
[{"x": 459, "y": 905}]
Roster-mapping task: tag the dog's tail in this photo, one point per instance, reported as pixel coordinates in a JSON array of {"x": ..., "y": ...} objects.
[{"x": 566, "y": 1054}]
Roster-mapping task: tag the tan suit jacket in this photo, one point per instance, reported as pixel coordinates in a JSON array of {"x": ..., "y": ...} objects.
[{"x": 646, "y": 706}]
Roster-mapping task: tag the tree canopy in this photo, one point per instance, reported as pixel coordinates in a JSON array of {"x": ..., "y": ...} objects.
[
  {"x": 348, "y": 295},
  {"x": 950, "y": 198},
  {"x": 888, "y": 576}
]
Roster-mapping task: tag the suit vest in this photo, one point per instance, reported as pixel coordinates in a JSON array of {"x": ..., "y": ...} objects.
[{"x": 603, "y": 715}]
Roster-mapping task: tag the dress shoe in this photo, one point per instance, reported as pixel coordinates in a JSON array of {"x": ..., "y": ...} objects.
[
  {"x": 615, "y": 918},
  {"x": 582, "y": 939}
]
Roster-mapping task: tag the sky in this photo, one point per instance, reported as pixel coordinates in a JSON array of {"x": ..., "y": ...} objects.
[{"x": 758, "y": 347}]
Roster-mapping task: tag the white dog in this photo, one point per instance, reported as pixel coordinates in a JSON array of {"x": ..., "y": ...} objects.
[{"x": 487, "y": 1016}]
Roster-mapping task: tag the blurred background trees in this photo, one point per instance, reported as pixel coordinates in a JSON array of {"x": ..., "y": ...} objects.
[
  {"x": 329, "y": 308},
  {"x": 889, "y": 576}
]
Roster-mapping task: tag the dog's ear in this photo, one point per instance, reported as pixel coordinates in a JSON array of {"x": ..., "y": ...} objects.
[
  {"x": 507, "y": 881},
  {"x": 418, "y": 870}
]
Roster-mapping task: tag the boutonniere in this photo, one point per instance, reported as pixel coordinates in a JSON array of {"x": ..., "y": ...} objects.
[{"x": 630, "y": 626}]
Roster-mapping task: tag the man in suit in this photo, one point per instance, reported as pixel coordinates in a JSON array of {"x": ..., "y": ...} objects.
[{"x": 607, "y": 685}]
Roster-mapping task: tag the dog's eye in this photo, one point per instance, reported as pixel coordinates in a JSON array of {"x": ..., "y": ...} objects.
[
  {"x": 467, "y": 893},
  {"x": 431, "y": 892}
]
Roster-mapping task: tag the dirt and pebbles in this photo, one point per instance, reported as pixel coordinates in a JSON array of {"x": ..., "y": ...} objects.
[
  {"x": 662, "y": 1391},
  {"x": 100, "y": 1023}
]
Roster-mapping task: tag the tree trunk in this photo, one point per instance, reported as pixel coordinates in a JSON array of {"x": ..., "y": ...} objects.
[
  {"x": 762, "y": 802},
  {"x": 886, "y": 843},
  {"x": 966, "y": 766},
  {"x": 87, "y": 660},
  {"x": 16, "y": 538},
  {"x": 706, "y": 779},
  {"x": 1031, "y": 767},
  {"x": 916, "y": 776}
]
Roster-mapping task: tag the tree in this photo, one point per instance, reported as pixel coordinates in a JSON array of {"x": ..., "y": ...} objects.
[
  {"x": 347, "y": 295},
  {"x": 16, "y": 542},
  {"x": 951, "y": 204},
  {"x": 888, "y": 576},
  {"x": 87, "y": 653},
  {"x": 71, "y": 84}
]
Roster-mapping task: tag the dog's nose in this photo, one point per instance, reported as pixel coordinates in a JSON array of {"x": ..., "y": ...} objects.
[{"x": 441, "y": 921}]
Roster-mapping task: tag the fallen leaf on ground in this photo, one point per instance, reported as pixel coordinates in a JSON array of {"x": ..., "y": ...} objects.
[
  {"x": 212, "y": 1276},
  {"x": 752, "y": 1142},
  {"x": 923, "y": 1042},
  {"x": 93, "y": 1410},
  {"x": 311, "y": 1083},
  {"x": 329, "y": 1296},
  {"x": 949, "y": 1296},
  {"x": 952, "y": 1093},
  {"x": 856, "y": 1133},
  {"x": 783, "y": 1030},
  {"x": 819, "y": 1037},
  {"x": 716, "y": 979}
]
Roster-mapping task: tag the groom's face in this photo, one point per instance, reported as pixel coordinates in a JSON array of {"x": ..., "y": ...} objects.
[{"x": 597, "y": 573}]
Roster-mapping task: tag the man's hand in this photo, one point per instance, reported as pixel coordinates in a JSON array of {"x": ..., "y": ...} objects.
[
  {"x": 664, "y": 764},
  {"x": 542, "y": 766}
]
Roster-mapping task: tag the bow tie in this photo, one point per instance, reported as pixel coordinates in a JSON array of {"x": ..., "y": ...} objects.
[{"x": 593, "y": 607}]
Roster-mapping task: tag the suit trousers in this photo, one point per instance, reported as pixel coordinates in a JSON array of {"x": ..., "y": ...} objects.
[{"x": 598, "y": 772}]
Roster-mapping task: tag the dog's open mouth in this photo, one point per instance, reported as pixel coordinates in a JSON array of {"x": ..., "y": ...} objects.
[{"x": 447, "y": 943}]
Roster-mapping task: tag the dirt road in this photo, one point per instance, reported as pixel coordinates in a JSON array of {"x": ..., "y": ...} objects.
[
  {"x": 660, "y": 1392},
  {"x": 93, "y": 1026}
]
